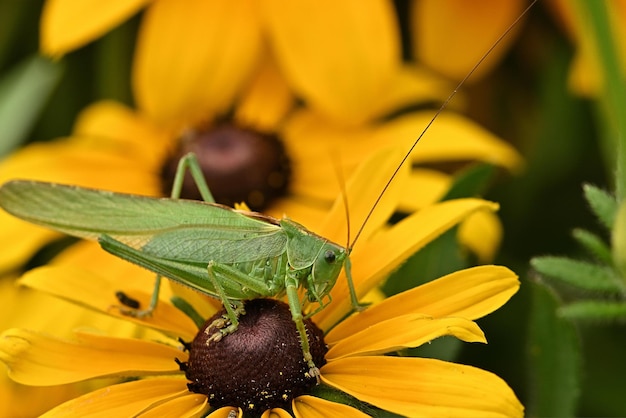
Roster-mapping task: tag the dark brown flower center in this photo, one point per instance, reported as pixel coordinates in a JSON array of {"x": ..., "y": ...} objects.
[
  {"x": 259, "y": 366},
  {"x": 239, "y": 165}
]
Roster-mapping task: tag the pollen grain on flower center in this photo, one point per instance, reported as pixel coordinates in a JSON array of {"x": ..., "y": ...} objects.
[
  {"x": 258, "y": 367},
  {"x": 239, "y": 165}
]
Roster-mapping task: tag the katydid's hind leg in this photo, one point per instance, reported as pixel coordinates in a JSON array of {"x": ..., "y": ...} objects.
[
  {"x": 228, "y": 323},
  {"x": 131, "y": 306},
  {"x": 295, "y": 307},
  {"x": 190, "y": 162}
]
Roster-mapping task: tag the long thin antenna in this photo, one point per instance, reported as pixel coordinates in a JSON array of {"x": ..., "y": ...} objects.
[
  {"x": 435, "y": 116},
  {"x": 342, "y": 186}
]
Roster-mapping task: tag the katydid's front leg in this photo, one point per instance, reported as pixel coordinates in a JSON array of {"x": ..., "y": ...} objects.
[
  {"x": 188, "y": 162},
  {"x": 234, "y": 308},
  {"x": 291, "y": 289}
]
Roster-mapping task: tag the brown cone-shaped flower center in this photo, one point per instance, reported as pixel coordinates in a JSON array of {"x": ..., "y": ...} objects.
[
  {"x": 239, "y": 165},
  {"x": 259, "y": 366}
]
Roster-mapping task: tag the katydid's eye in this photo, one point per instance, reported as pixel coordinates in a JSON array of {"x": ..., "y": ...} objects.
[{"x": 329, "y": 256}]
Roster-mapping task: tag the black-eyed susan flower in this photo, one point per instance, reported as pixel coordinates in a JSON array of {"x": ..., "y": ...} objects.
[{"x": 169, "y": 377}]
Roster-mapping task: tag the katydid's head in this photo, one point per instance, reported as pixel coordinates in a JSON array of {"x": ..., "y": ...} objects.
[{"x": 326, "y": 269}]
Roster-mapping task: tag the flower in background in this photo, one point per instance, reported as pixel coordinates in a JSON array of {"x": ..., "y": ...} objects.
[
  {"x": 476, "y": 25},
  {"x": 585, "y": 77},
  {"x": 355, "y": 363}
]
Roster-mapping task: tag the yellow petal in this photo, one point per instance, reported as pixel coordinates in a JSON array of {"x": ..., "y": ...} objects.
[
  {"x": 426, "y": 186},
  {"x": 126, "y": 131},
  {"x": 375, "y": 259},
  {"x": 482, "y": 234},
  {"x": 423, "y": 387},
  {"x": 411, "y": 85},
  {"x": 316, "y": 146},
  {"x": 276, "y": 413},
  {"x": 20, "y": 241},
  {"x": 338, "y": 60},
  {"x": 451, "y": 37},
  {"x": 226, "y": 413},
  {"x": 266, "y": 101},
  {"x": 450, "y": 138},
  {"x": 40, "y": 399},
  {"x": 82, "y": 162},
  {"x": 362, "y": 190},
  {"x": 38, "y": 360},
  {"x": 124, "y": 399},
  {"x": 311, "y": 407},
  {"x": 471, "y": 293},
  {"x": 190, "y": 405},
  {"x": 402, "y": 331},
  {"x": 193, "y": 57},
  {"x": 97, "y": 292},
  {"x": 69, "y": 24}
]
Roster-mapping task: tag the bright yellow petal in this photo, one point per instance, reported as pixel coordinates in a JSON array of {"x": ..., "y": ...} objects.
[
  {"x": 125, "y": 399},
  {"x": 311, "y": 407},
  {"x": 338, "y": 60},
  {"x": 225, "y": 413},
  {"x": 411, "y": 85},
  {"x": 97, "y": 292},
  {"x": 266, "y": 101},
  {"x": 276, "y": 413},
  {"x": 471, "y": 293},
  {"x": 450, "y": 138},
  {"x": 38, "y": 360},
  {"x": 190, "y": 405},
  {"x": 362, "y": 190},
  {"x": 83, "y": 163},
  {"x": 426, "y": 186},
  {"x": 69, "y": 24},
  {"x": 316, "y": 146},
  {"x": 482, "y": 234},
  {"x": 193, "y": 57},
  {"x": 375, "y": 259},
  {"x": 40, "y": 399},
  {"x": 125, "y": 130},
  {"x": 402, "y": 331},
  {"x": 452, "y": 36},
  {"x": 423, "y": 387}
]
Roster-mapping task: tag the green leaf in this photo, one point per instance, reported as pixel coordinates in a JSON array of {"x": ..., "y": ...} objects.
[
  {"x": 581, "y": 274},
  {"x": 595, "y": 311},
  {"x": 595, "y": 245},
  {"x": 471, "y": 182},
  {"x": 555, "y": 359},
  {"x": 602, "y": 203},
  {"x": 23, "y": 93}
]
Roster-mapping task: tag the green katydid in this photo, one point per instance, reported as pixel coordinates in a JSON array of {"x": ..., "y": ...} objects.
[
  {"x": 230, "y": 254},
  {"x": 226, "y": 253}
]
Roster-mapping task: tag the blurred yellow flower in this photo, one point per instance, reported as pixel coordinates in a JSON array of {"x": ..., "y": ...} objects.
[
  {"x": 452, "y": 36},
  {"x": 585, "y": 77}
]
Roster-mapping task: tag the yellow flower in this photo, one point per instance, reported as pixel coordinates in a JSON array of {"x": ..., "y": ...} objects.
[
  {"x": 355, "y": 361},
  {"x": 585, "y": 76},
  {"x": 450, "y": 37}
]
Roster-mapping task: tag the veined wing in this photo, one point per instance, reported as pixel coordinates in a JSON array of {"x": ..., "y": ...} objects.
[{"x": 168, "y": 228}]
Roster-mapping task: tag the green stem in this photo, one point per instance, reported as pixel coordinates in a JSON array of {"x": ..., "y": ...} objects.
[{"x": 613, "y": 96}]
